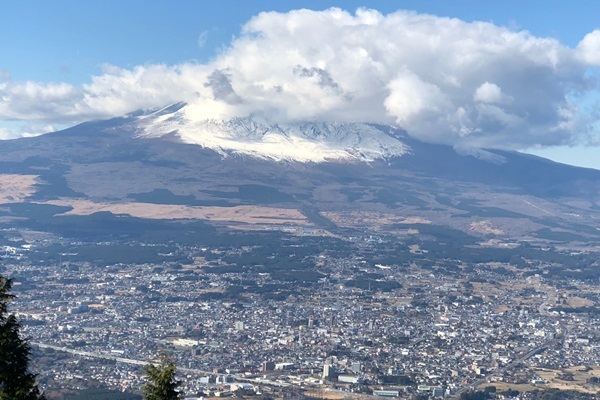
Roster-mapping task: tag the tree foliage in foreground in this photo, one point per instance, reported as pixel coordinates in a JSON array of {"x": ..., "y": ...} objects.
[
  {"x": 161, "y": 384},
  {"x": 16, "y": 383}
]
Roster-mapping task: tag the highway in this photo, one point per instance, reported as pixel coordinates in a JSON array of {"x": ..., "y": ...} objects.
[{"x": 111, "y": 357}]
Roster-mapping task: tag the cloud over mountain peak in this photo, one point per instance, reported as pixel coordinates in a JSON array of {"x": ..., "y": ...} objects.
[
  {"x": 256, "y": 137},
  {"x": 443, "y": 80}
]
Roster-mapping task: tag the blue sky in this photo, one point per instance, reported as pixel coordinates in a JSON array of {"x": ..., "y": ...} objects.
[{"x": 69, "y": 42}]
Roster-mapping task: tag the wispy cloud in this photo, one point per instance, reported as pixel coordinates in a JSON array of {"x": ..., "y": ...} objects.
[
  {"x": 25, "y": 130},
  {"x": 202, "y": 38},
  {"x": 442, "y": 79}
]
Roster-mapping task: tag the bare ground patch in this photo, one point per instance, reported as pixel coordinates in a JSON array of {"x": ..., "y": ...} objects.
[
  {"x": 485, "y": 227},
  {"x": 574, "y": 378},
  {"x": 374, "y": 220},
  {"x": 324, "y": 395},
  {"x": 16, "y": 188},
  {"x": 241, "y": 214},
  {"x": 579, "y": 302}
]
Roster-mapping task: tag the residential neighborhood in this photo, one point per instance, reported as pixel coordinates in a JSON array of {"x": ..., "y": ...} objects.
[{"x": 427, "y": 333}]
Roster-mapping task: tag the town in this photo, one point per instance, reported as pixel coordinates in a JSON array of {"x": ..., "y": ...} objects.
[{"x": 345, "y": 325}]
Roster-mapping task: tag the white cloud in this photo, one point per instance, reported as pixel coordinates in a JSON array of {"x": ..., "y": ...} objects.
[
  {"x": 491, "y": 93},
  {"x": 6, "y": 133},
  {"x": 441, "y": 79},
  {"x": 118, "y": 91},
  {"x": 35, "y": 101},
  {"x": 25, "y": 130},
  {"x": 202, "y": 38},
  {"x": 589, "y": 48}
]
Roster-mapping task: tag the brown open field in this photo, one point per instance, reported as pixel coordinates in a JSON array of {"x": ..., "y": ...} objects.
[
  {"x": 373, "y": 220},
  {"x": 16, "y": 188},
  {"x": 579, "y": 382},
  {"x": 579, "y": 302},
  {"x": 240, "y": 214},
  {"x": 553, "y": 378},
  {"x": 324, "y": 395},
  {"x": 503, "y": 386},
  {"x": 485, "y": 227}
]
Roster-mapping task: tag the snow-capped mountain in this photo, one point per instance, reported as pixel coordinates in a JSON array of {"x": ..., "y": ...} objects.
[
  {"x": 176, "y": 165},
  {"x": 254, "y": 136}
]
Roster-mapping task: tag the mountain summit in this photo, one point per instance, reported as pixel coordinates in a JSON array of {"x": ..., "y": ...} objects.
[{"x": 256, "y": 137}]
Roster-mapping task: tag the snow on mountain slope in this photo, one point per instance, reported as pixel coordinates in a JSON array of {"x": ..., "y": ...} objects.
[{"x": 253, "y": 136}]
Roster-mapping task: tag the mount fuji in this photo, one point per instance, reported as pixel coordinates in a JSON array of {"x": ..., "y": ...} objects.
[
  {"x": 249, "y": 173},
  {"x": 256, "y": 137}
]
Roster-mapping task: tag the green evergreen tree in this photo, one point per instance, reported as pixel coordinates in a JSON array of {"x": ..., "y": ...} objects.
[
  {"x": 161, "y": 384},
  {"x": 15, "y": 382}
]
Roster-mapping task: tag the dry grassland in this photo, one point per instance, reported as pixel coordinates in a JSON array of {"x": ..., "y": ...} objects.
[
  {"x": 16, "y": 188},
  {"x": 579, "y": 302},
  {"x": 554, "y": 381},
  {"x": 374, "y": 220},
  {"x": 485, "y": 227},
  {"x": 503, "y": 386},
  {"x": 240, "y": 214},
  {"x": 324, "y": 395},
  {"x": 579, "y": 382}
]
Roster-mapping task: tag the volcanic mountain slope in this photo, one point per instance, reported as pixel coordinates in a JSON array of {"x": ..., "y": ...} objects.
[{"x": 249, "y": 174}]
